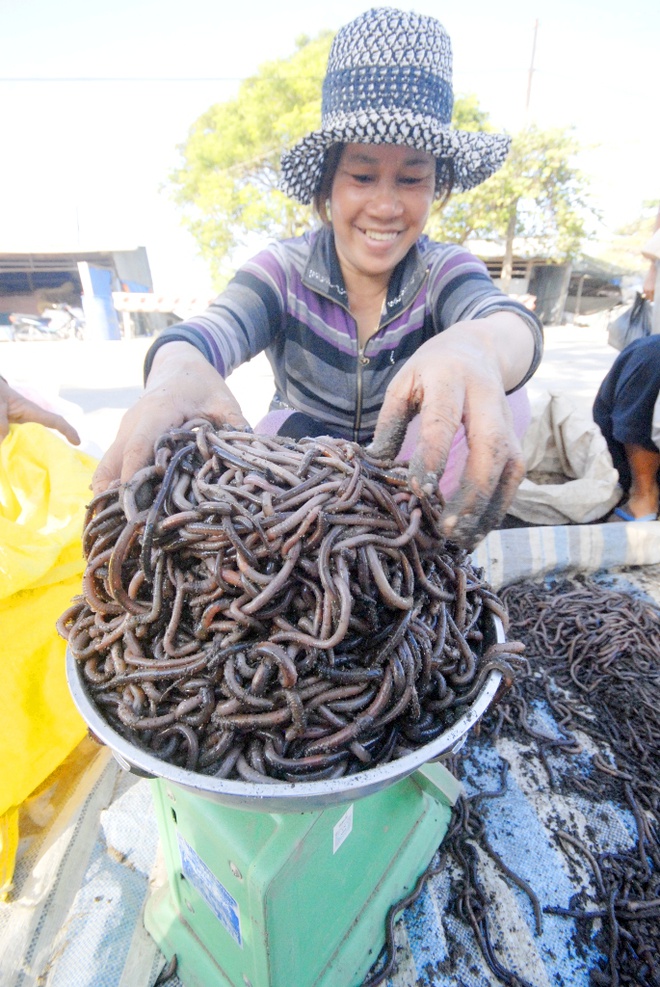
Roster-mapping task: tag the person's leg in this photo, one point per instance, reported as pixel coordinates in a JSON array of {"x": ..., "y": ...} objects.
[
  {"x": 623, "y": 410},
  {"x": 644, "y": 494},
  {"x": 603, "y": 416}
]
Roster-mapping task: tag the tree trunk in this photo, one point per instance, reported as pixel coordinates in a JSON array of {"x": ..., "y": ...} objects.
[{"x": 507, "y": 262}]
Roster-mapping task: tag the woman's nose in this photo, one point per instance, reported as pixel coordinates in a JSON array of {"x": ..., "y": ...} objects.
[{"x": 386, "y": 200}]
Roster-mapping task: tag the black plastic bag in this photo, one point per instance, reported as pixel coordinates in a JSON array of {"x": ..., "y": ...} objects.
[{"x": 634, "y": 323}]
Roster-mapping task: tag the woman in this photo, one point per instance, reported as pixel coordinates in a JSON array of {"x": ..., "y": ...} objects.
[{"x": 366, "y": 323}]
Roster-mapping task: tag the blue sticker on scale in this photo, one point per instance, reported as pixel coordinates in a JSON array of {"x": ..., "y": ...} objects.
[{"x": 216, "y": 896}]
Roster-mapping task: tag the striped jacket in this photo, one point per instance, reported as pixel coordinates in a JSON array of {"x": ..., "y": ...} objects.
[{"x": 290, "y": 301}]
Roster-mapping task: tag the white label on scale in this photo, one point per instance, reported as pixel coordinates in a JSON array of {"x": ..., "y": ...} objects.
[
  {"x": 216, "y": 896},
  {"x": 342, "y": 829}
]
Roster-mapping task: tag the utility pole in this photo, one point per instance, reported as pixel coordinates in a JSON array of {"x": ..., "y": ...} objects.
[{"x": 531, "y": 68}]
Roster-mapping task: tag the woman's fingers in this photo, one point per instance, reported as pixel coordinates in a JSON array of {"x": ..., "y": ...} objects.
[
  {"x": 467, "y": 527},
  {"x": 16, "y": 409},
  {"x": 426, "y": 386},
  {"x": 132, "y": 449},
  {"x": 169, "y": 401},
  {"x": 489, "y": 483},
  {"x": 397, "y": 410},
  {"x": 494, "y": 465},
  {"x": 439, "y": 420},
  {"x": 141, "y": 427},
  {"x": 448, "y": 391}
]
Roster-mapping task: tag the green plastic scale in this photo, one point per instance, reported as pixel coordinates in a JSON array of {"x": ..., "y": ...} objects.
[
  {"x": 289, "y": 885},
  {"x": 261, "y": 899}
]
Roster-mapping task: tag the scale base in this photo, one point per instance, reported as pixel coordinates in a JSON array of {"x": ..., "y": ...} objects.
[{"x": 262, "y": 900}]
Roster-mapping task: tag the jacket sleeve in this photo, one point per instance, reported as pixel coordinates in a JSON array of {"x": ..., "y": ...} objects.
[
  {"x": 242, "y": 320},
  {"x": 460, "y": 288}
]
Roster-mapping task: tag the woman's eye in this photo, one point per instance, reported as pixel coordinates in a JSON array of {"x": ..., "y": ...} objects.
[
  {"x": 409, "y": 180},
  {"x": 362, "y": 179}
]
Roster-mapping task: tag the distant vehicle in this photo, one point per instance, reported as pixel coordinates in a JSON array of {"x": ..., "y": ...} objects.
[{"x": 58, "y": 322}]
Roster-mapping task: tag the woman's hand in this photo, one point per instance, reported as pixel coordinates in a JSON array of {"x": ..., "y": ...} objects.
[
  {"x": 182, "y": 385},
  {"x": 460, "y": 377},
  {"x": 16, "y": 409}
]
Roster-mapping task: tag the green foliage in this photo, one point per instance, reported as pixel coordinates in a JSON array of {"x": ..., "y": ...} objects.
[
  {"x": 537, "y": 193},
  {"x": 467, "y": 114},
  {"x": 623, "y": 249},
  {"x": 227, "y": 180},
  {"x": 226, "y": 183}
]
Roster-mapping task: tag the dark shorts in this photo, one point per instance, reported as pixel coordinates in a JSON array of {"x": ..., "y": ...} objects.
[{"x": 623, "y": 409}]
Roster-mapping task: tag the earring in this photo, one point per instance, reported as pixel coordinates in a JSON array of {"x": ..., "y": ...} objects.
[{"x": 327, "y": 210}]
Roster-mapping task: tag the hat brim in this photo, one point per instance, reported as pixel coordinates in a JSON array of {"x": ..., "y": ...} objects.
[{"x": 467, "y": 157}]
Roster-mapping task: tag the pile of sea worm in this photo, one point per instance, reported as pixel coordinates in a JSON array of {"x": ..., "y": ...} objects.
[
  {"x": 594, "y": 652},
  {"x": 268, "y": 610},
  {"x": 592, "y": 648}
]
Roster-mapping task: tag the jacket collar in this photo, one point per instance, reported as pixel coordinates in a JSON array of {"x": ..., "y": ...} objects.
[{"x": 323, "y": 274}]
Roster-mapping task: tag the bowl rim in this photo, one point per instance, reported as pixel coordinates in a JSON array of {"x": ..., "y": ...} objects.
[{"x": 281, "y": 796}]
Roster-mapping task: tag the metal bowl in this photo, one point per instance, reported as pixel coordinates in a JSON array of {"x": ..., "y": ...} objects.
[{"x": 300, "y": 796}]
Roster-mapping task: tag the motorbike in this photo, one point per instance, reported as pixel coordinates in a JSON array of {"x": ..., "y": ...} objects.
[{"x": 61, "y": 321}]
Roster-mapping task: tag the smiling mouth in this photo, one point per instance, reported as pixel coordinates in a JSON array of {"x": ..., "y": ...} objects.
[{"x": 381, "y": 234}]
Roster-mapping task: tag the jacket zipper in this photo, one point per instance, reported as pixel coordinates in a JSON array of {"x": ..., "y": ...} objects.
[{"x": 362, "y": 360}]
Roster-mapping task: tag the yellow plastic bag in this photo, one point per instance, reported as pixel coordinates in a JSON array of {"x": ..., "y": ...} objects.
[{"x": 44, "y": 487}]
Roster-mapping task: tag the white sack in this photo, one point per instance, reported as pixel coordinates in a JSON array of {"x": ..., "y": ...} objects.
[{"x": 564, "y": 445}]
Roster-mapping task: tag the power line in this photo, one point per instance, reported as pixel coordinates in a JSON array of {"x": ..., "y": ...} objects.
[
  {"x": 531, "y": 68},
  {"x": 151, "y": 78},
  {"x": 115, "y": 78}
]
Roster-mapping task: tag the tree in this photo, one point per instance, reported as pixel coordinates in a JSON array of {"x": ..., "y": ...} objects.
[
  {"x": 227, "y": 182},
  {"x": 623, "y": 247},
  {"x": 537, "y": 193}
]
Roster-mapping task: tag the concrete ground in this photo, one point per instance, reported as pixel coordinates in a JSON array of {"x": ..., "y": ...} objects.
[{"x": 99, "y": 380}]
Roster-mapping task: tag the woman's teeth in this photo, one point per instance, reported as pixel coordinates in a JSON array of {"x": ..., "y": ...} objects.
[{"x": 378, "y": 235}]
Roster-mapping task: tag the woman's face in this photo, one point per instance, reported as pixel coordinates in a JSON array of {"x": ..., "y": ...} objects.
[{"x": 380, "y": 200}]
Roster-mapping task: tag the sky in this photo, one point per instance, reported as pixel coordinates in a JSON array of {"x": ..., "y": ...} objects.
[{"x": 97, "y": 96}]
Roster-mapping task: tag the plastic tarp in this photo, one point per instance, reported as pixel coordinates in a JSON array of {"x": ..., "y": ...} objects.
[{"x": 44, "y": 487}]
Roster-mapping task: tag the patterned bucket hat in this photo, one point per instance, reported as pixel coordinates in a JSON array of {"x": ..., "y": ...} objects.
[{"x": 389, "y": 81}]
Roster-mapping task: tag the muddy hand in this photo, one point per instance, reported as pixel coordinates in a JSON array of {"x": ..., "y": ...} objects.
[
  {"x": 450, "y": 386},
  {"x": 182, "y": 386}
]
